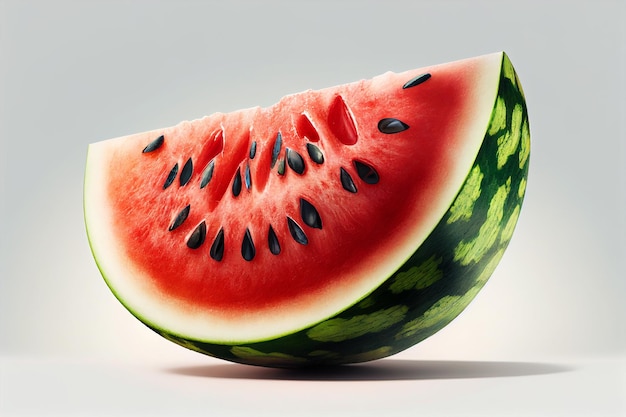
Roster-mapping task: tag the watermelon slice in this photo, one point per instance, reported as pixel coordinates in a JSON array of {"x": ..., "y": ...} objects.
[{"x": 337, "y": 226}]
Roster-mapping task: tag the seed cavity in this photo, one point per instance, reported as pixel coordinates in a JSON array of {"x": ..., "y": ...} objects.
[
  {"x": 346, "y": 181},
  {"x": 366, "y": 172},
  {"x": 237, "y": 183},
  {"x": 252, "y": 153},
  {"x": 416, "y": 80},
  {"x": 180, "y": 218},
  {"x": 341, "y": 122},
  {"x": 185, "y": 174},
  {"x": 171, "y": 176},
  {"x": 247, "y": 177},
  {"x": 310, "y": 215},
  {"x": 154, "y": 145},
  {"x": 217, "y": 248},
  {"x": 278, "y": 143},
  {"x": 315, "y": 153},
  {"x": 296, "y": 232},
  {"x": 295, "y": 161},
  {"x": 390, "y": 125},
  {"x": 207, "y": 174},
  {"x": 197, "y": 236},
  {"x": 272, "y": 241},
  {"x": 305, "y": 128},
  {"x": 212, "y": 146}
]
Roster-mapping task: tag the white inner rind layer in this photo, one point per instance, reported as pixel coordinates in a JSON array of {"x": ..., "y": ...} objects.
[{"x": 149, "y": 304}]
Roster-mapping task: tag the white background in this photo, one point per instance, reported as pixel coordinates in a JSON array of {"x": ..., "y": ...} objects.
[{"x": 545, "y": 337}]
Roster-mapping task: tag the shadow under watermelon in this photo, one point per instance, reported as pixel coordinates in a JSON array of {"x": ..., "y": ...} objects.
[{"x": 381, "y": 370}]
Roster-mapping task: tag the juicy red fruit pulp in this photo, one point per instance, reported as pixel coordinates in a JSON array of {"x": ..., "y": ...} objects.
[{"x": 302, "y": 198}]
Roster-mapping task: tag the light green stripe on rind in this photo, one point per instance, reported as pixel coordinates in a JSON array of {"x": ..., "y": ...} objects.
[
  {"x": 273, "y": 359},
  {"x": 509, "y": 142},
  {"x": 340, "y": 329},
  {"x": 443, "y": 275},
  {"x": 464, "y": 204},
  {"x": 525, "y": 145},
  {"x": 417, "y": 277},
  {"x": 507, "y": 231},
  {"x": 437, "y": 316},
  {"x": 521, "y": 190},
  {"x": 498, "y": 120},
  {"x": 468, "y": 251}
]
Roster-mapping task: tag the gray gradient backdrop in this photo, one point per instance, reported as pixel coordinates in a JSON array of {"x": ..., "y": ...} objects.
[{"x": 75, "y": 72}]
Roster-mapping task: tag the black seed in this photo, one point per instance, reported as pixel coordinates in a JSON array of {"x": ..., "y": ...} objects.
[
  {"x": 180, "y": 218},
  {"x": 170, "y": 177},
  {"x": 416, "y": 81},
  {"x": 276, "y": 149},
  {"x": 295, "y": 161},
  {"x": 281, "y": 167},
  {"x": 314, "y": 153},
  {"x": 296, "y": 232},
  {"x": 247, "y": 246},
  {"x": 237, "y": 183},
  {"x": 197, "y": 236},
  {"x": 272, "y": 241},
  {"x": 247, "y": 177},
  {"x": 390, "y": 125},
  {"x": 185, "y": 174},
  {"x": 366, "y": 172},
  {"x": 207, "y": 174},
  {"x": 309, "y": 214},
  {"x": 217, "y": 248},
  {"x": 154, "y": 145},
  {"x": 253, "y": 150},
  {"x": 346, "y": 181}
]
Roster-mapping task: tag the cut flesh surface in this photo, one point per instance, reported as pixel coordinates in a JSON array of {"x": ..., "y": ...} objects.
[{"x": 249, "y": 225}]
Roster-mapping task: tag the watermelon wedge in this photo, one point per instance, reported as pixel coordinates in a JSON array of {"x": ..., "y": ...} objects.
[{"x": 336, "y": 226}]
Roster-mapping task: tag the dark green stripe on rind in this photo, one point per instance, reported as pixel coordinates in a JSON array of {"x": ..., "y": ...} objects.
[{"x": 438, "y": 281}]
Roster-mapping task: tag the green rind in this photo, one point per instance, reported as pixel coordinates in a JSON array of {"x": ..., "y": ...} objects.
[{"x": 439, "y": 280}]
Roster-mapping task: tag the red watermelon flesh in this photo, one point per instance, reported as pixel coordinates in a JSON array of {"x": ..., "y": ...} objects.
[{"x": 261, "y": 222}]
